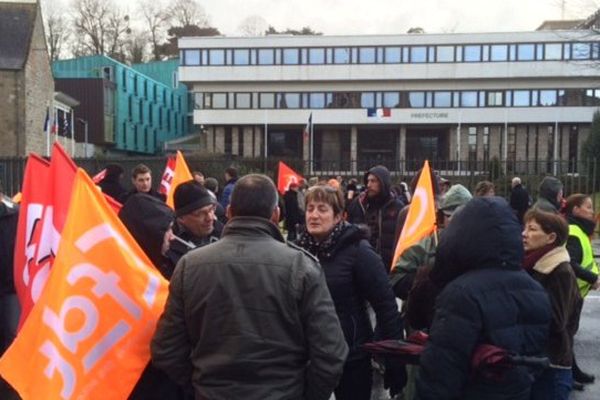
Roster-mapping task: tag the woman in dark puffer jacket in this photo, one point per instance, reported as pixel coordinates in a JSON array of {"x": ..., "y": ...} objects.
[
  {"x": 355, "y": 275},
  {"x": 487, "y": 298}
]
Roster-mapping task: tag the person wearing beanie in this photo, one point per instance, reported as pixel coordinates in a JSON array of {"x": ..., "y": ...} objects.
[
  {"x": 456, "y": 196},
  {"x": 378, "y": 208},
  {"x": 550, "y": 195},
  {"x": 196, "y": 224}
]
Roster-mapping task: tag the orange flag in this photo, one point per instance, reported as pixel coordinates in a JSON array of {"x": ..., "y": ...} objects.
[
  {"x": 88, "y": 336},
  {"x": 286, "y": 176},
  {"x": 175, "y": 173},
  {"x": 420, "y": 220}
]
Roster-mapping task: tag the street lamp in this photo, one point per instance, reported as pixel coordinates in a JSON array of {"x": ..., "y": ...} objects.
[{"x": 85, "y": 136}]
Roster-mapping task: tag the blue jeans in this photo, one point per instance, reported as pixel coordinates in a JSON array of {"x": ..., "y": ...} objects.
[
  {"x": 10, "y": 312},
  {"x": 553, "y": 384}
]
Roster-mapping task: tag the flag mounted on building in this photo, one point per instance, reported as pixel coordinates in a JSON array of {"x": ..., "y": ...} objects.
[
  {"x": 176, "y": 172},
  {"x": 379, "y": 112},
  {"x": 286, "y": 176},
  {"x": 88, "y": 336},
  {"x": 307, "y": 129},
  {"x": 420, "y": 220}
]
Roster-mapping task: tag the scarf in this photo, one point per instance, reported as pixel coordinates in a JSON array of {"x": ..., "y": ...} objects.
[
  {"x": 323, "y": 249},
  {"x": 586, "y": 225},
  {"x": 533, "y": 256}
]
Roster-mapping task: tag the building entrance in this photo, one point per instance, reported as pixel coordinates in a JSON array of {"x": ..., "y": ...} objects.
[{"x": 427, "y": 143}]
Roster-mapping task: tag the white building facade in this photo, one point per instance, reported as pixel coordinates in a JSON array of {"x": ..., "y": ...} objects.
[{"x": 461, "y": 100}]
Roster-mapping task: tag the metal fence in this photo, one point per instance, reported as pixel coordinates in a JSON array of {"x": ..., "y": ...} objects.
[{"x": 577, "y": 176}]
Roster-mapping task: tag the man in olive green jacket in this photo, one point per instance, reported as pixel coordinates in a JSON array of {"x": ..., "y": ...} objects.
[{"x": 250, "y": 316}]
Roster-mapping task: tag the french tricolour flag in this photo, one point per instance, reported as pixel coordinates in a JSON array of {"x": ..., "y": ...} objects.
[{"x": 379, "y": 112}]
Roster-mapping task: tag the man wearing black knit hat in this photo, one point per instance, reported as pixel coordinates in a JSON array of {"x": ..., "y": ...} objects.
[{"x": 196, "y": 224}]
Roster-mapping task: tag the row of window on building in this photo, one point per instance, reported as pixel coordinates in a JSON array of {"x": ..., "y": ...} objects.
[
  {"x": 139, "y": 86},
  {"x": 397, "y": 99},
  {"x": 393, "y": 54}
]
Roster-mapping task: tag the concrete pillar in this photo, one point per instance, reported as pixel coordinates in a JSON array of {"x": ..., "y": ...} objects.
[
  {"x": 496, "y": 133},
  {"x": 354, "y": 150},
  {"x": 258, "y": 141},
  {"x": 235, "y": 140},
  {"x": 220, "y": 139},
  {"x": 402, "y": 148},
  {"x": 210, "y": 139},
  {"x": 248, "y": 144}
]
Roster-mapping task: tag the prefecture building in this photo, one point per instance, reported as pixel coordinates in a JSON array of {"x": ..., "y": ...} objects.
[{"x": 526, "y": 98}]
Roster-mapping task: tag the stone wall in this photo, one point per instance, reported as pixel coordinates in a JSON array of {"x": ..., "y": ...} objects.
[{"x": 11, "y": 113}]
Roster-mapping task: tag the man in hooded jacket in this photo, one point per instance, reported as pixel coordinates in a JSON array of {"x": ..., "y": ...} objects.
[
  {"x": 378, "y": 208},
  {"x": 488, "y": 298},
  {"x": 150, "y": 221}
]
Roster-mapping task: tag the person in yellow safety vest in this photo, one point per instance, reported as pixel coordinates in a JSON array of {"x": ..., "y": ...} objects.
[{"x": 580, "y": 216}]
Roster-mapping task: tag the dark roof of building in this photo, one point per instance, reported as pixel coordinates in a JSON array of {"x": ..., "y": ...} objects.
[
  {"x": 16, "y": 28},
  {"x": 560, "y": 24}
]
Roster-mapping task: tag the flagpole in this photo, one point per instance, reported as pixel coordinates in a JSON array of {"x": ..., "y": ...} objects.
[
  {"x": 266, "y": 139},
  {"x": 48, "y": 129},
  {"x": 72, "y": 134},
  {"x": 311, "y": 150}
]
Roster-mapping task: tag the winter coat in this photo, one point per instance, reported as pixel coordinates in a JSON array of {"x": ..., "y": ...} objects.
[
  {"x": 293, "y": 215},
  {"x": 487, "y": 298},
  {"x": 555, "y": 274},
  {"x": 380, "y": 214},
  {"x": 178, "y": 249},
  {"x": 355, "y": 275},
  {"x": 519, "y": 201},
  {"x": 9, "y": 217},
  {"x": 227, "y": 190},
  {"x": 111, "y": 184},
  {"x": 250, "y": 317},
  {"x": 548, "y": 192},
  {"x": 152, "y": 193},
  {"x": 147, "y": 219}
]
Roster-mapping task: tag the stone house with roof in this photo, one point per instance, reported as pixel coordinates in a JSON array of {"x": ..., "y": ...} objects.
[{"x": 26, "y": 83}]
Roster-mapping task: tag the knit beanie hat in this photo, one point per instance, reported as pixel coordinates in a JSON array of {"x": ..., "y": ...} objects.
[
  {"x": 456, "y": 196},
  {"x": 190, "y": 196}
]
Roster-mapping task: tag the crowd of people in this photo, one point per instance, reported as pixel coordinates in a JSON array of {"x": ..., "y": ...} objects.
[{"x": 274, "y": 296}]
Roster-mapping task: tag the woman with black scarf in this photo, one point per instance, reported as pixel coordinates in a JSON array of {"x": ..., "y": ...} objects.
[
  {"x": 355, "y": 275},
  {"x": 580, "y": 216}
]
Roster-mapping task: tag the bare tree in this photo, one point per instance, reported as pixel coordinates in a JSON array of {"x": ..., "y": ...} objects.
[
  {"x": 57, "y": 33},
  {"x": 136, "y": 48},
  {"x": 156, "y": 17},
  {"x": 100, "y": 28},
  {"x": 188, "y": 12},
  {"x": 254, "y": 25}
]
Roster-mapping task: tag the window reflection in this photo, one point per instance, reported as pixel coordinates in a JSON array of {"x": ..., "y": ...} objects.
[
  {"x": 192, "y": 57},
  {"x": 472, "y": 53},
  {"x": 216, "y": 57},
  {"x": 445, "y": 54},
  {"x": 525, "y": 52},
  {"x": 553, "y": 51},
  {"x": 416, "y": 99},
  {"x": 393, "y": 55},
  {"x": 316, "y": 56},
  {"x": 267, "y": 100},
  {"x": 341, "y": 55},
  {"x": 367, "y": 100},
  {"x": 499, "y": 52},
  {"x": 317, "y": 100},
  {"x": 547, "y": 98},
  {"x": 366, "y": 55},
  {"x": 521, "y": 98},
  {"x": 219, "y": 100},
  {"x": 288, "y": 100},
  {"x": 266, "y": 57},
  {"x": 291, "y": 56},
  {"x": 442, "y": 99},
  {"x": 241, "y": 57},
  {"x": 581, "y": 51},
  {"x": 468, "y": 99},
  {"x": 418, "y": 54},
  {"x": 391, "y": 99}
]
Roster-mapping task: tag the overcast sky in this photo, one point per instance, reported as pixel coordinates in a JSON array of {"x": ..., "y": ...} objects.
[{"x": 394, "y": 16}]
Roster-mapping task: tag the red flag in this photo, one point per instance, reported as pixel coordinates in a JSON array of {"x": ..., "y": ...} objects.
[
  {"x": 285, "y": 176},
  {"x": 30, "y": 267},
  {"x": 167, "y": 177},
  {"x": 48, "y": 220},
  {"x": 99, "y": 177}
]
